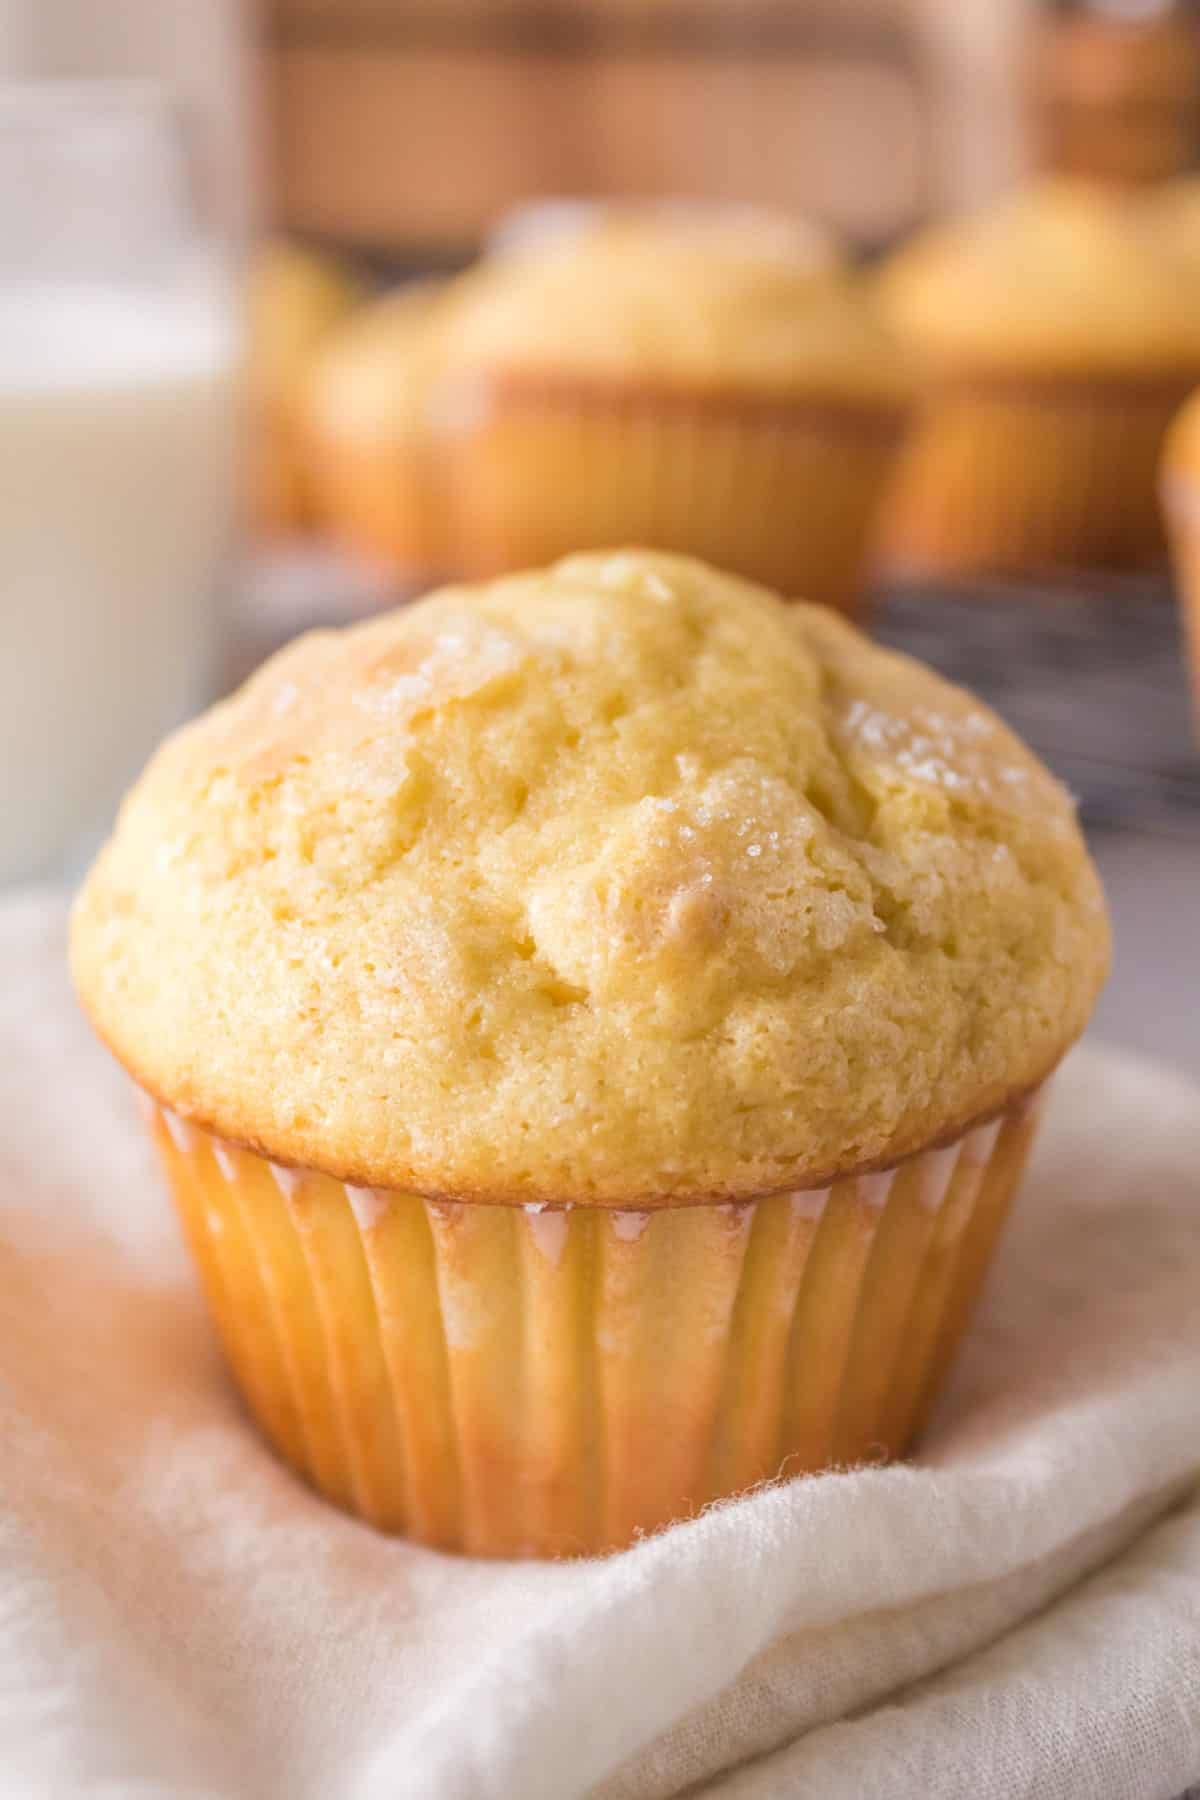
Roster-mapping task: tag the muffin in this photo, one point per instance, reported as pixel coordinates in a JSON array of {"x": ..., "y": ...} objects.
[
  {"x": 367, "y": 435},
  {"x": 1057, "y": 338},
  {"x": 593, "y": 1024},
  {"x": 536, "y": 222},
  {"x": 1172, "y": 210},
  {"x": 1181, "y": 508},
  {"x": 294, "y": 301},
  {"x": 697, "y": 380}
]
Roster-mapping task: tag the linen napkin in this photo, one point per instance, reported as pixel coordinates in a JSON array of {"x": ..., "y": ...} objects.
[{"x": 1016, "y": 1613}]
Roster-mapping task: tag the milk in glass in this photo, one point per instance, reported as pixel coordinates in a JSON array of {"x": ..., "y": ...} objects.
[{"x": 115, "y": 497}]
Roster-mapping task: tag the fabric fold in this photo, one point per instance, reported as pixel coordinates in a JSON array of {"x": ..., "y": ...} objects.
[{"x": 176, "y": 1611}]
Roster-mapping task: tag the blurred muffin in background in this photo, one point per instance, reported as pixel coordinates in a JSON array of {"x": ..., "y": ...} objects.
[
  {"x": 1172, "y": 211},
  {"x": 1057, "y": 337},
  {"x": 687, "y": 377},
  {"x": 1181, "y": 506},
  {"x": 295, "y": 300},
  {"x": 366, "y": 430},
  {"x": 537, "y": 224}
]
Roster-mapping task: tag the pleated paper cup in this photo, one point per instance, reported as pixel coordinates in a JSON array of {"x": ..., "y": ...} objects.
[
  {"x": 554, "y": 1380},
  {"x": 381, "y": 502},
  {"x": 1181, "y": 506},
  {"x": 782, "y": 490},
  {"x": 1019, "y": 477}
]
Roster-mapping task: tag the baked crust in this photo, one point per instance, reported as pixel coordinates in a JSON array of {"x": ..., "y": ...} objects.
[{"x": 624, "y": 883}]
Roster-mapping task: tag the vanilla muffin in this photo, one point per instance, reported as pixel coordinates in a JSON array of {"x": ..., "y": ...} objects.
[
  {"x": 664, "y": 218},
  {"x": 593, "y": 1024},
  {"x": 1181, "y": 507},
  {"x": 705, "y": 380},
  {"x": 366, "y": 430},
  {"x": 1057, "y": 338},
  {"x": 295, "y": 299},
  {"x": 1172, "y": 211}
]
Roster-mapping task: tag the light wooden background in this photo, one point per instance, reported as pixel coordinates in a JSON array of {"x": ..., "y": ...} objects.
[{"x": 409, "y": 124}]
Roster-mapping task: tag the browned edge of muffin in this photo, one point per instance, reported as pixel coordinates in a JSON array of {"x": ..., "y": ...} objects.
[
  {"x": 903, "y": 1150},
  {"x": 1066, "y": 387},
  {"x": 482, "y": 393}
]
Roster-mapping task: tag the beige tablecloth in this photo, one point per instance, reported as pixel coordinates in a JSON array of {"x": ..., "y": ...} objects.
[{"x": 1016, "y": 1614}]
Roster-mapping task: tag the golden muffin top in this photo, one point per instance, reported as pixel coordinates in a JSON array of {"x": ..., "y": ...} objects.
[
  {"x": 294, "y": 301},
  {"x": 1172, "y": 209},
  {"x": 618, "y": 882},
  {"x": 728, "y": 225},
  {"x": 1060, "y": 277},
  {"x": 680, "y": 294},
  {"x": 370, "y": 380}
]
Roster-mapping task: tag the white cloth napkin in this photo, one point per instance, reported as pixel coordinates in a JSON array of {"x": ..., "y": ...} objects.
[{"x": 1015, "y": 1614}]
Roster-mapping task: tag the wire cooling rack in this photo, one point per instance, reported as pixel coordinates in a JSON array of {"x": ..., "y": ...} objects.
[{"x": 1094, "y": 679}]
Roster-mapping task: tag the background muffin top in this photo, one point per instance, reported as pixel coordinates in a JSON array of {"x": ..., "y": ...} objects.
[
  {"x": 370, "y": 382},
  {"x": 1059, "y": 277},
  {"x": 1172, "y": 209},
  {"x": 294, "y": 301},
  {"x": 623, "y": 881},
  {"x": 709, "y": 297}
]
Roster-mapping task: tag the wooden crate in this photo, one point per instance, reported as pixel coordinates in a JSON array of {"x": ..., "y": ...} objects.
[
  {"x": 406, "y": 129},
  {"x": 1116, "y": 98}
]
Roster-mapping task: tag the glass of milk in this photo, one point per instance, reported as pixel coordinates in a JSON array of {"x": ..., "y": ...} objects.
[{"x": 118, "y": 348}]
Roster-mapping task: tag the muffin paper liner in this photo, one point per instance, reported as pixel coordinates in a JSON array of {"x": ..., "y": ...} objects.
[
  {"x": 380, "y": 502},
  {"x": 1181, "y": 507},
  {"x": 279, "y": 500},
  {"x": 1009, "y": 478},
  {"x": 547, "y": 1381},
  {"x": 783, "y": 491}
]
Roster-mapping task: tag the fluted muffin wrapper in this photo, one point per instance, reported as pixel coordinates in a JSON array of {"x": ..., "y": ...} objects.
[
  {"x": 1005, "y": 477},
  {"x": 1181, "y": 507},
  {"x": 546, "y": 1381},
  {"x": 381, "y": 502},
  {"x": 278, "y": 493},
  {"x": 782, "y": 490}
]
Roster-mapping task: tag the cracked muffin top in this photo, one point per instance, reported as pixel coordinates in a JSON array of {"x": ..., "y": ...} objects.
[
  {"x": 721, "y": 299},
  {"x": 623, "y": 882},
  {"x": 1062, "y": 277}
]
